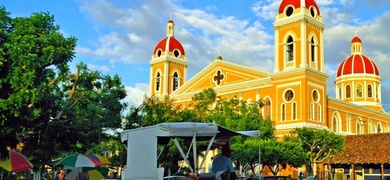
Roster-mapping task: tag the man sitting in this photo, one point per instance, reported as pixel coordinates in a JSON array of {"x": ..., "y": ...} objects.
[{"x": 224, "y": 163}]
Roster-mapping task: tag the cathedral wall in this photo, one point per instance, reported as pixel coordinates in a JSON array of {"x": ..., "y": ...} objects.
[{"x": 347, "y": 118}]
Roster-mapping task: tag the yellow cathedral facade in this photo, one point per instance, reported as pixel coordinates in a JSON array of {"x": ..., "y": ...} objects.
[{"x": 295, "y": 92}]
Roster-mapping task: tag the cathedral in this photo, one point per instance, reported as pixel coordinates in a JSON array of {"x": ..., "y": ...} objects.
[{"x": 295, "y": 92}]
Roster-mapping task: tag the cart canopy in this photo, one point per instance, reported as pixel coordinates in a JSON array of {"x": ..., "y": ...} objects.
[{"x": 142, "y": 144}]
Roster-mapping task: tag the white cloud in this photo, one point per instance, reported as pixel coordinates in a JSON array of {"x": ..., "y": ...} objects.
[
  {"x": 266, "y": 9},
  {"x": 94, "y": 67},
  {"x": 204, "y": 35},
  {"x": 321, "y": 3},
  {"x": 135, "y": 95},
  {"x": 134, "y": 38}
]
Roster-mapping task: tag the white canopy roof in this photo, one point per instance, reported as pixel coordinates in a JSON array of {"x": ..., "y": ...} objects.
[
  {"x": 188, "y": 129},
  {"x": 142, "y": 143}
]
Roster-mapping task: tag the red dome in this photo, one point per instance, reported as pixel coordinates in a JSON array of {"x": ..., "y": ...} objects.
[
  {"x": 170, "y": 21},
  {"x": 356, "y": 39},
  {"x": 297, "y": 4},
  {"x": 169, "y": 43},
  {"x": 357, "y": 64}
]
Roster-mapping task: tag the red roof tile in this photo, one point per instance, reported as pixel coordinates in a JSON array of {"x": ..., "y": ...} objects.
[{"x": 364, "y": 149}]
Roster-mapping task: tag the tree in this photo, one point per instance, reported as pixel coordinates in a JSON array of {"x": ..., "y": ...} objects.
[
  {"x": 203, "y": 101},
  {"x": 275, "y": 154},
  {"x": 155, "y": 110},
  {"x": 33, "y": 55},
  {"x": 88, "y": 105},
  {"x": 318, "y": 144},
  {"x": 45, "y": 109}
]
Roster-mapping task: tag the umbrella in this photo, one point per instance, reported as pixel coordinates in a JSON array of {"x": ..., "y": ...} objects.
[
  {"x": 102, "y": 170},
  {"x": 78, "y": 160},
  {"x": 102, "y": 159},
  {"x": 15, "y": 162},
  {"x": 94, "y": 174}
]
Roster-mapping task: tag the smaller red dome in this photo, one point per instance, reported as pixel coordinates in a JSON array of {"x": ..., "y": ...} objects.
[
  {"x": 356, "y": 39},
  {"x": 357, "y": 64},
  {"x": 297, "y": 4},
  {"x": 169, "y": 43},
  {"x": 170, "y": 21}
]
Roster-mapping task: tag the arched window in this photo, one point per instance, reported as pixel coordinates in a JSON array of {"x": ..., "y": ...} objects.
[
  {"x": 294, "y": 111},
  {"x": 175, "y": 81},
  {"x": 312, "y": 50},
  {"x": 348, "y": 91},
  {"x": 319, "y": 113},
  {"x": 158, "y": 79},
  {"x": 369, "y": 90},
  {"x": 334, "y": 124},
  {"x": 290, "y": 49},
  {"x": 379, "y": 128},
  {"x": 283, "y": 112},
  {"x": 311, "y": 111},
  {"x": 267, "y": 108},
  {"x": 360, "y": 127},
  {"x": 359, "y": 90}
]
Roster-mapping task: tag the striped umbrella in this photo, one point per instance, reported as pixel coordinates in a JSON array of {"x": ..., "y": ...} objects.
[
  {"x": 94, "y": 174},
  {"x": 102, "y": 159},
  {"x": 15, "y": 162},
  {"x": 78, "y": 160}
]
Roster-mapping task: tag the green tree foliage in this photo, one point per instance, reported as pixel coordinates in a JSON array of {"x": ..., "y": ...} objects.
[
  {"x": 44, "y": 107},
  {"x": 203, "y": 101},
  {"x": 281, "y": 153},
  {"x": 318, "y": 144},
  {"x": 155, "y": 110},
  {"x": 133, "y": 118},
  {"x": 33, "y": 56}
]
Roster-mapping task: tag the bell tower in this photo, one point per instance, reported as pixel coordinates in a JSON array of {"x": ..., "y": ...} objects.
[
  {"x": 168, "y": 66},
  {"x": 300, "y": 81},
  {"x": 299, "y": 36}
]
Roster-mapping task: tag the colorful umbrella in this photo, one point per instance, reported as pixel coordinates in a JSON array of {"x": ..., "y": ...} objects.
[
  {"x": 102, "y": 159},
  {"x": 78, "y": 160},
  {"x": 15, "y": 162},
  {"x": 94, "y": 174},
  {"x": 102, "y": 170}
]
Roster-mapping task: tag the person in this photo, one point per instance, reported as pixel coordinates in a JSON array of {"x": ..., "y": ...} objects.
[
  {"x": 61, "y": 175},
  {"x": 224, "y": 163},
  {"x": 300, "y": 177}
]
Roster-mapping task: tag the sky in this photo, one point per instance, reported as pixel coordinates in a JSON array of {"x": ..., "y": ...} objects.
[{"x": 118, "y": 36}]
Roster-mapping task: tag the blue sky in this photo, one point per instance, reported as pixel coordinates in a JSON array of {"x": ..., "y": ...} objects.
[{"x": 118, "y": 36}]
